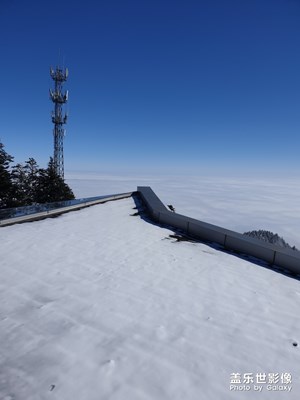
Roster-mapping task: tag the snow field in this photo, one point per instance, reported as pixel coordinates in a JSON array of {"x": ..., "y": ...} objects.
[{"x": 99, "y": 304}]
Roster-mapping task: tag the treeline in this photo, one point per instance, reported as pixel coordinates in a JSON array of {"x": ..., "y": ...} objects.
[
  {"x": 27, "y": 184},
  {"x": 270, "y": 237}
]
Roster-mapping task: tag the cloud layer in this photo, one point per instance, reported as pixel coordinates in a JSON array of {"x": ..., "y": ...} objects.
[{"x": 240, "y": 204}]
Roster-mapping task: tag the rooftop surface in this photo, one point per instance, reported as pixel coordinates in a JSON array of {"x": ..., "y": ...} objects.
[{"x": 101, "y": 304}]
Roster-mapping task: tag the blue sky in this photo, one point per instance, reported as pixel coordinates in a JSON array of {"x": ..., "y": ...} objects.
[{"x": 154, "y": 85}]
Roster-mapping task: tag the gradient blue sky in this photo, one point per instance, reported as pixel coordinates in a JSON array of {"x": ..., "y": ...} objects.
[{"x": 155, "y": 85}]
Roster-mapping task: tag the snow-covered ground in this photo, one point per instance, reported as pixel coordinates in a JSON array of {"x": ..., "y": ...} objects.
[
  {"x": 98, "y": 304},
  {"x": 238, "y": 203}
]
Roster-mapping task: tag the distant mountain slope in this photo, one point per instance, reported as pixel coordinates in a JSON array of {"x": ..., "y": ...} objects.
[{"x": 270, "y": 237}]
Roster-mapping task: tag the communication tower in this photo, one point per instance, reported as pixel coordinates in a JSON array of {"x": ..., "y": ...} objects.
[{"x": 59, "y": 75}]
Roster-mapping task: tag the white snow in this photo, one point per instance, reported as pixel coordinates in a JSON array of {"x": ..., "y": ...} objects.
[{"x": 98, "y": 304}]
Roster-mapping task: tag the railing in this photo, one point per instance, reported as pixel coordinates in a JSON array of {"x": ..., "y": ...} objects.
[
  {"x": 39, "y": 211},
  {"x": 274, "y": 255}
]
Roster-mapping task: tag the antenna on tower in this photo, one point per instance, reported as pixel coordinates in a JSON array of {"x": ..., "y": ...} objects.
[{"x": 59, "y": 75}]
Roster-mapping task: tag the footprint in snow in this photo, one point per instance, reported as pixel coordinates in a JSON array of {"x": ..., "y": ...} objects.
[
  {"x": 161, "y": 333},
  {"x": 109, "y": 366}
]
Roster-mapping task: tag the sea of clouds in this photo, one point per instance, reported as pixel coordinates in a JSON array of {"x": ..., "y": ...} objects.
[{"x": 237, "y": 203}]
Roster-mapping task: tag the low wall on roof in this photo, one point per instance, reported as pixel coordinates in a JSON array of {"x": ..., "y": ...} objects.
[
  {"x": 274, "y": 255},
  {"x": 61, "y": 210}
]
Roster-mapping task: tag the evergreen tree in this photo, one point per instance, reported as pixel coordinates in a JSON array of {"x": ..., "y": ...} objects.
[
  {"x": 270, "y": 237},
  {"x": 25, "y": 181},
  {"x": 19, "y": 185},
  {"x": 5, "y": 178},
  {"x": 28, "y": 184},
  {"x": 32, "y": 179},
  {"x": 51, "y": 187}
]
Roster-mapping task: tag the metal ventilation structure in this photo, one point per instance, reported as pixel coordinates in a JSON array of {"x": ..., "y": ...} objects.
[{"x": 59, "y": 118}]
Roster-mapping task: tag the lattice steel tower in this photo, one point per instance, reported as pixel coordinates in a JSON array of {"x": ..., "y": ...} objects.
[{"x": 59, "y": 98}]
